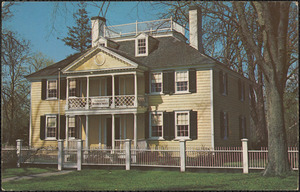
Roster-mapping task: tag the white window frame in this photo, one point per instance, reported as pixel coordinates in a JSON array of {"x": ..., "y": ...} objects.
[
  {"x": 150, "y": 125},
  {"x": 189, "y": 126},
  {"x": 47, "y": 89},
  {"x": 46, "y": 127},
  {"x": 69, "y": 87},
  {"x": 69, "y": 126},
  {"x": 162, "y": 84},
  {"x": 137, "y": 54},
  {"x": 186, "y": 91}
]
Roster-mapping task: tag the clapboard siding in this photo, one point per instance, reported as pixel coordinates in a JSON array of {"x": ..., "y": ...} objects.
[
  {"x": 233, "y": 106},
  {"x": 42, "y": 107},
  {"x": 199, "y": 101}
]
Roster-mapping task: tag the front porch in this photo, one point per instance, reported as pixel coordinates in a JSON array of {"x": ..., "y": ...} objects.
[{"x": 107, "y": 131}]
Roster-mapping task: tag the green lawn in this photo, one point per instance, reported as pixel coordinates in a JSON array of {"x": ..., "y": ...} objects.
[
  {"x": 99, "y": 179},
  {"x": 15, "y": 172}
]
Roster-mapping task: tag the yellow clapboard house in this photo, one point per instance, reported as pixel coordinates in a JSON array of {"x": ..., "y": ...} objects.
[{"x": 146, "y": 84}]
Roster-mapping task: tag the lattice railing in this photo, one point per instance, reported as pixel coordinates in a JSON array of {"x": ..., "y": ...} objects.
[
  {"x": 121, "y": 101},
  {"x": 124, "y": 100}
]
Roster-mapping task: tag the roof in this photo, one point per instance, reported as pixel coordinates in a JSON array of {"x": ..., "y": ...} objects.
[
  {"x": 168, "y": 52},
  {"x": 53, "y": 69}
]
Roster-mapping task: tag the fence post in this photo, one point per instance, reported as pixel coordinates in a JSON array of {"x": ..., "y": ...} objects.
[
  {"x": 79, "y": 154},
  {"x": 245, "y": 155},
  {"x": 19, "y": 149},
  {"x": 182, "y": 155},
  {"x": 128, "y": 153},
  {"x": 60, "y": 154}
]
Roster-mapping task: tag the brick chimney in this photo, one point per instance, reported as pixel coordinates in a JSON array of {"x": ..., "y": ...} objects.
[
  {"x": 98, "y": 24},
  {"x": 195, "y": 23}
]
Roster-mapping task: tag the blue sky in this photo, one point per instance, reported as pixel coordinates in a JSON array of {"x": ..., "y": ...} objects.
[{"x": 33, "y": 20}]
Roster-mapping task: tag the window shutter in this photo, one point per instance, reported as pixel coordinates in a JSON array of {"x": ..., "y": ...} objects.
[
  {"x": 222, "y": 124},
  {"x": 62, "y": 127},
  {"x": 44, "y": 89},
  {"x": 168, "y": 82},
  {"x": 117, "y": 84},
  {"x": 77, "y": 88},
  {"x": 109, "y": 85},
  {"x": 57, "y": 116},
  {"x": 146, "y": 76},
  {"x": 168, "y": 125},
  {"x": 226, "y": 85},
  {"x": 239, "y": 89},
  {"x": 193, "y": 80},
  {"x": 42, "y": 127},
  {"x": 193, "y": 125},
  {"x": 221, "y": 85},
  {"x": 63, "y": 88},
  {"x": 147, "y": 125}
]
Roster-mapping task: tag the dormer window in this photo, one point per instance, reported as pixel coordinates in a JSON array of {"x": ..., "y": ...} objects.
[
  {"x": 102, "y": 44},
  {"x": 141, "y": 45}
]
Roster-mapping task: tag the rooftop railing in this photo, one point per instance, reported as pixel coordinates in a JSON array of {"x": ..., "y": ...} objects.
[{"x": 152, "y": 27}]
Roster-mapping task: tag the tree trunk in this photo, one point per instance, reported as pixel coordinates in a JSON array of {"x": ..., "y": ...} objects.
[{"x": 278, "y": 163}]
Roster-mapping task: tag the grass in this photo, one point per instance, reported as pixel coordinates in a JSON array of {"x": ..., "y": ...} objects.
[
  {"x": 98, "y": 180},
  {"x": 16, "y": 172}
]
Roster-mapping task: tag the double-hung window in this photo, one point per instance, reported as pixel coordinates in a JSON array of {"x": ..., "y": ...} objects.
[
  {"x": 141, "y": 46},
  {"x": 182, "y": 80},
  {"x": 156, "y": 82},
  {"x": 182, "y": 124},
  {"x": 52, "y": 89},
  {"x": 71, "y": 127},
  {"x": 51, "y": 127},
  {"x": 156, "y": 125},
  {"x": 72, "y": 88}
]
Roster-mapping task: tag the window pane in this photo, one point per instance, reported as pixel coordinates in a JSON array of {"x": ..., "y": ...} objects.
[
  {"x": 71, "y": 132},
  {"x": 51, "y": 122},
  {"x": 181, "y": 86},
  {"x": 156, "y": 131},
  {"x": 181, "y": 76},
  {"x": 50, "y": 132},
  {"x": 71, "y": 121},
  {"x": 156, "y": 119},
  {"x": 182, "y": 119},
  {"x": 141, "y": 46},
  {"x": 156, "y": 82},
  {"x": 181, "y": 81},
  {"x": 182, "y": 130},
  {"x": 52, "y": 89}
]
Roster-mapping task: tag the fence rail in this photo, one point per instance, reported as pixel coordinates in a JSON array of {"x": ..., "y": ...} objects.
[{"x": 221, "y": 157}]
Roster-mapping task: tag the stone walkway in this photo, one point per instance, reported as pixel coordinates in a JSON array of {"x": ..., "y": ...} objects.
[{"x": 36, "y": 175}]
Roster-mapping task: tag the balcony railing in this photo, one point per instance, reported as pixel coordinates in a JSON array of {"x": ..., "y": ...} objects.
[
  {"x": 100, "y": 102},
  {"x": 156, "y": 26}
]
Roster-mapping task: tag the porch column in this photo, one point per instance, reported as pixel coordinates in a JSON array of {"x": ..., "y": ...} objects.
[
  {"x": 113, "y": 131},
  {"x": 67, "y": 128},
  {"x": 87, "y": 92},
  {"x": 67, "y": 95},
  {"x": 113, "y": 91},
  {"x": 87, "y": 132},
  {"x": 135, "y": 90},
  {"x": 135, "y": 130}
]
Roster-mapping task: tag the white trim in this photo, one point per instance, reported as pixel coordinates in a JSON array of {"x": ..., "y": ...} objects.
[
  {"x": 187, "y": 91},
  {"x": 125, "y": 127},
  {"x": 46, "y": 127},
  {"x": 30, "y": 118},
  {"x": 150, "y": 125},
  {"x": 105, "y": 131},
  {"x": 102, "y": 75},
  {"x": 47, "y": 91},
  {"x": 99, "y": 48},
  {"x": 212, "y": 108},
  {"x": 86, "y": 131},
  {"x": 189, "y": 126}
]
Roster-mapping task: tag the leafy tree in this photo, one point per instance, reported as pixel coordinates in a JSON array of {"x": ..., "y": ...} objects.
[
  {"x": 79, "y": 36},
  {"x": 14, "y": 90}
]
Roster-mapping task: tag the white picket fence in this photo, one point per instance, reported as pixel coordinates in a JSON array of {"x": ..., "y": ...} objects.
[{"x": 182, "y": 157}]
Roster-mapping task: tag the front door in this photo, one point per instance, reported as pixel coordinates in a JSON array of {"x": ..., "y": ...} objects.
[{"x": 109, "y": 130}]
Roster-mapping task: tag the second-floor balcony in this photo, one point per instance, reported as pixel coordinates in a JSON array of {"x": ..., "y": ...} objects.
[{"x": 106, "y": 92}]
